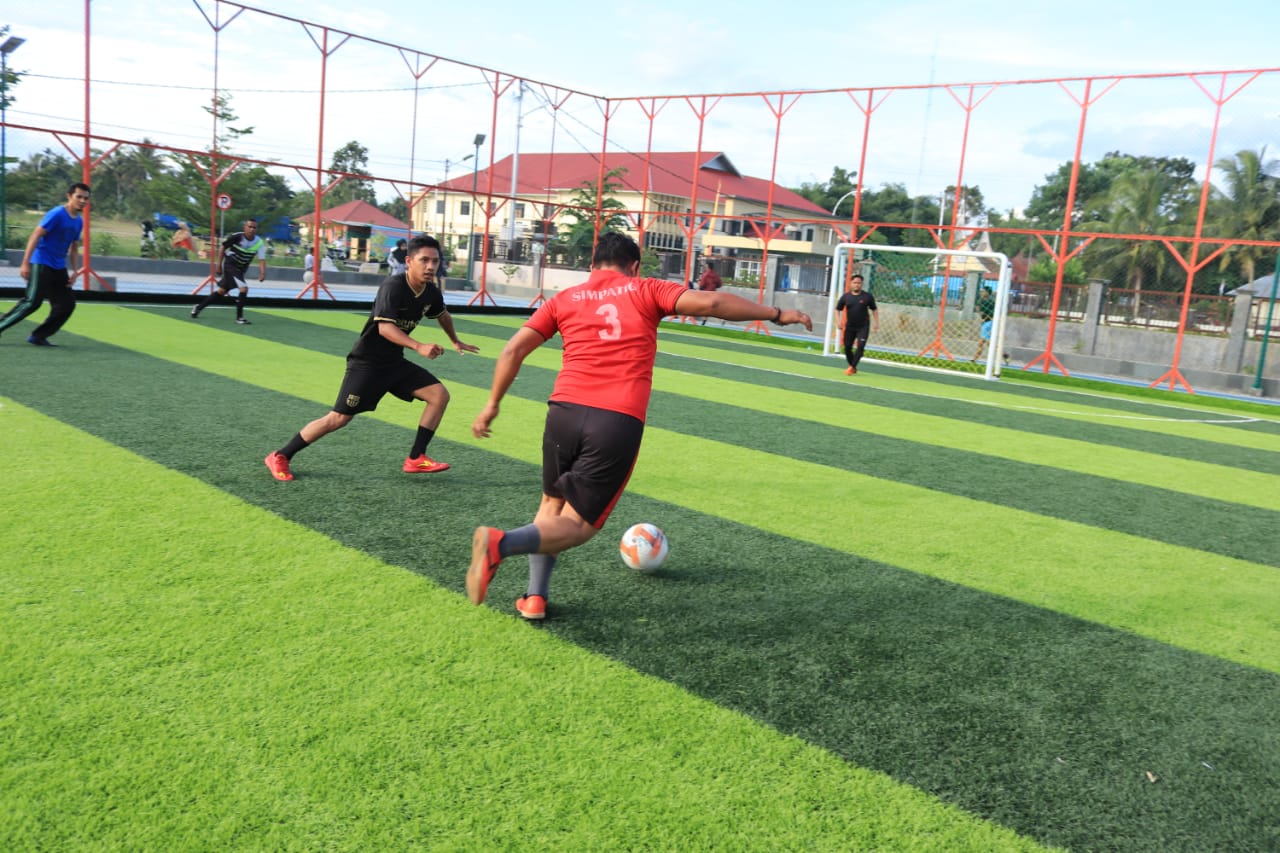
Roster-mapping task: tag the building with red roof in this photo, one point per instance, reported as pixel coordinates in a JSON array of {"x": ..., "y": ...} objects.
[
  {"x": 357, "y": 226},
  {"x": 684, "y": 205}
]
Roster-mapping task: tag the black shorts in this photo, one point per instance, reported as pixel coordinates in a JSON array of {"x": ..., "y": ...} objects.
[
  {"x": 364, "y": 384},
  {"x": 587, "y": 457},
  {"x": 232, "y": 279}
]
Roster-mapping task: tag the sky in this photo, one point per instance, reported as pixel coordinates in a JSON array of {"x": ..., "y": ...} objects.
[{"x": 152, "y": 67}]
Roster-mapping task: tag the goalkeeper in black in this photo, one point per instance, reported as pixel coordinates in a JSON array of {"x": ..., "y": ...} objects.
[{"x": 238, "y": 251}]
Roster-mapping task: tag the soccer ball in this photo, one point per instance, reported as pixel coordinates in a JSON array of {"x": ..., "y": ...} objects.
[{"x": 643, "y": 547}]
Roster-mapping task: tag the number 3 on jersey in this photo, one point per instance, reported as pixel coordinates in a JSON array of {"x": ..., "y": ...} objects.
[{"x": 612, "y": 327}]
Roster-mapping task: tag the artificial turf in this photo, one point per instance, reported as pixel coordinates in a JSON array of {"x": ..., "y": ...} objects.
[{"x": 1011, "y": 657}]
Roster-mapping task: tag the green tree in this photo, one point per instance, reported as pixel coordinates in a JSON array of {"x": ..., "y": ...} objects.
[
  {"x": 577, "y": 245},
  {"x": 123, "y": 181},
  {"x": 1011, "y": 245},
  {"x": 1247, "y": 208},
  {"x": 225, "y": 136},
  {"x": 11, "y": 76},
  {"x": 1141, "y": 201},
  {"x": 350, "y": 159},
  {"x": 1045, "y": 270},
  {"x": 40, "y": 181},
  {"x": 397, "y": 207},
  {"x": 650, "y": 263},
  {"x": 892, "y": 204},
  {"x": 1093, "y": 186},
  {"x": 825, "y": 195}
]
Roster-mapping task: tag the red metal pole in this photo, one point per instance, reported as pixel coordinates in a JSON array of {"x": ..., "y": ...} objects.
[
  {"x": 482, "y": 293},
  {"x": 1061, "y": 251},
  {"x": 1173, "y": 374},
  {"x": 86, "y": 269}
]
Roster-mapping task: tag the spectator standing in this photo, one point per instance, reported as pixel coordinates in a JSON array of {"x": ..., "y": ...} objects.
[
  {"x": 710, "y": 281},
  {"x": 396, "y": 259},
  {"x": 986, "y": 308},
  {"x": 183, "y": 241}
]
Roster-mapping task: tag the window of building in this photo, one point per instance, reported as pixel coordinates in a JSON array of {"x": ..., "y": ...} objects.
[
  {"x": 464, "y": 208},
  {"x": 439, "y": 206},
  {"x": 519, "y": 210}
]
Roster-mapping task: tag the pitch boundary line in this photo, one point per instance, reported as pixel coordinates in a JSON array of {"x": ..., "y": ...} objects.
[{"x": 1236, "y": 421}]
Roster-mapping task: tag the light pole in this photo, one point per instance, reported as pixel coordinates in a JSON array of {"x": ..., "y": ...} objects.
[
  {"x": 11, "y": 44},
  {"x": 444, "y": 196},
  {"x": 471, "y": 233},
  {"x": 842, "y": 198}
]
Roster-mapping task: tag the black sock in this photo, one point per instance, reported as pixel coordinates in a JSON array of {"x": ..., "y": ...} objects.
[
  {"x": 295, "y": 444},
  {"x": 240, "y": 300},
  {"x": 420, "y": 442}
]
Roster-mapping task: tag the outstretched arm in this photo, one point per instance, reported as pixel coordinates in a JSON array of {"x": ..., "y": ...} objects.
[
  {"x": 522, "y": 343},
  {"x": 728, "y": 306}
]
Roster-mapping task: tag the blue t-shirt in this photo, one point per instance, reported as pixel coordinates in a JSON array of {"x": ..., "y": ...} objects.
[{"x": 61, "y": 230}]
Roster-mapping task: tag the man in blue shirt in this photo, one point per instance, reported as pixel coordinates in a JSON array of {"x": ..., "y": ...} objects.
[{"x": 54, "y": 242}]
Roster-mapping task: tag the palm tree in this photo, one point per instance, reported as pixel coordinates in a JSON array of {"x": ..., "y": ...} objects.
[
  {"x": 1248, "y": 208},
  {"x": 1140, "y": 201}
]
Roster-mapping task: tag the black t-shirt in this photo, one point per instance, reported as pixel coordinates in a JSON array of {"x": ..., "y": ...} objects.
[
  {"x": 986, "y": 306},
  {"x": 395, "y": 303},
  {"x": 857, "y": 305}
]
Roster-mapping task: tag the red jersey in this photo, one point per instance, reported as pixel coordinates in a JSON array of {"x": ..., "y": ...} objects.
[{"x": 609, "y": 325}]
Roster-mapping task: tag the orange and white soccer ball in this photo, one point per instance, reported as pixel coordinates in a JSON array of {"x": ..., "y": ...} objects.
[{"x": 643, "y": 547}]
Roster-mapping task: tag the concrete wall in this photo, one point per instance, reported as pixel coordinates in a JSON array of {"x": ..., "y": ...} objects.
[
  {"x": 1207, "y": 362},
  {"x": 1121, "y": 352}
]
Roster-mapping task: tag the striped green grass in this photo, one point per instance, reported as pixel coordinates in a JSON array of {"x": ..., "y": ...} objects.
[{"x": 843, "y": 652}]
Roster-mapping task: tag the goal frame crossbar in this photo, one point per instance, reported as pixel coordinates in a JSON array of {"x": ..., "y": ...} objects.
[{"x": 842, "y": 270}]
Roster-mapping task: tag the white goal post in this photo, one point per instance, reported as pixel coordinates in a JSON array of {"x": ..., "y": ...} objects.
[{"x": 930, "y": 305}]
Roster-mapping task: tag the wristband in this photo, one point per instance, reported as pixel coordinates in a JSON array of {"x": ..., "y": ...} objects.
[{"x": 777, "y": 317}]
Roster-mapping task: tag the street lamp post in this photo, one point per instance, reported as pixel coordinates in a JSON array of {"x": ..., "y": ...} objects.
[
  {"x": 471, "y": 234},
  {"x": 10, "y": 45},
  {"x": 444, "y": 195},
  {"x": 842, "y": 198}
]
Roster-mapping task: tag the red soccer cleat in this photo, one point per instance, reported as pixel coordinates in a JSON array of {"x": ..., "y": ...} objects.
[
  {"x": 423, "y": 464},
  {"x": 484, "y": 562},
  {"x": 532, "y": 606},
  {"x": 278, "y": 464}
]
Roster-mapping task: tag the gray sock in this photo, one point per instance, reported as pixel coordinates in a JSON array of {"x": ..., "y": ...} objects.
[
  {"x": 540, "y": 566},
  {"x": 522, "y": 540}
]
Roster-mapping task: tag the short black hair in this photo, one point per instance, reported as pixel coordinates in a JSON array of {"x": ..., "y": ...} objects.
[
  {"x": 422, "y": 241},
  {"x": 78, "y": 185},
  {"x": 615, "y": 249}
]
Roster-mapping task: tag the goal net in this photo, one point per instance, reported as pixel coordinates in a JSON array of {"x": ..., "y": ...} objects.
[{"x": 933, "y": 305}]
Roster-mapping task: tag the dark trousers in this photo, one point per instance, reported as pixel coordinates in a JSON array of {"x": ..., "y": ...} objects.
[
  {"x": 45, "y": 283},
  {"x": 855, "y": 343}
]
